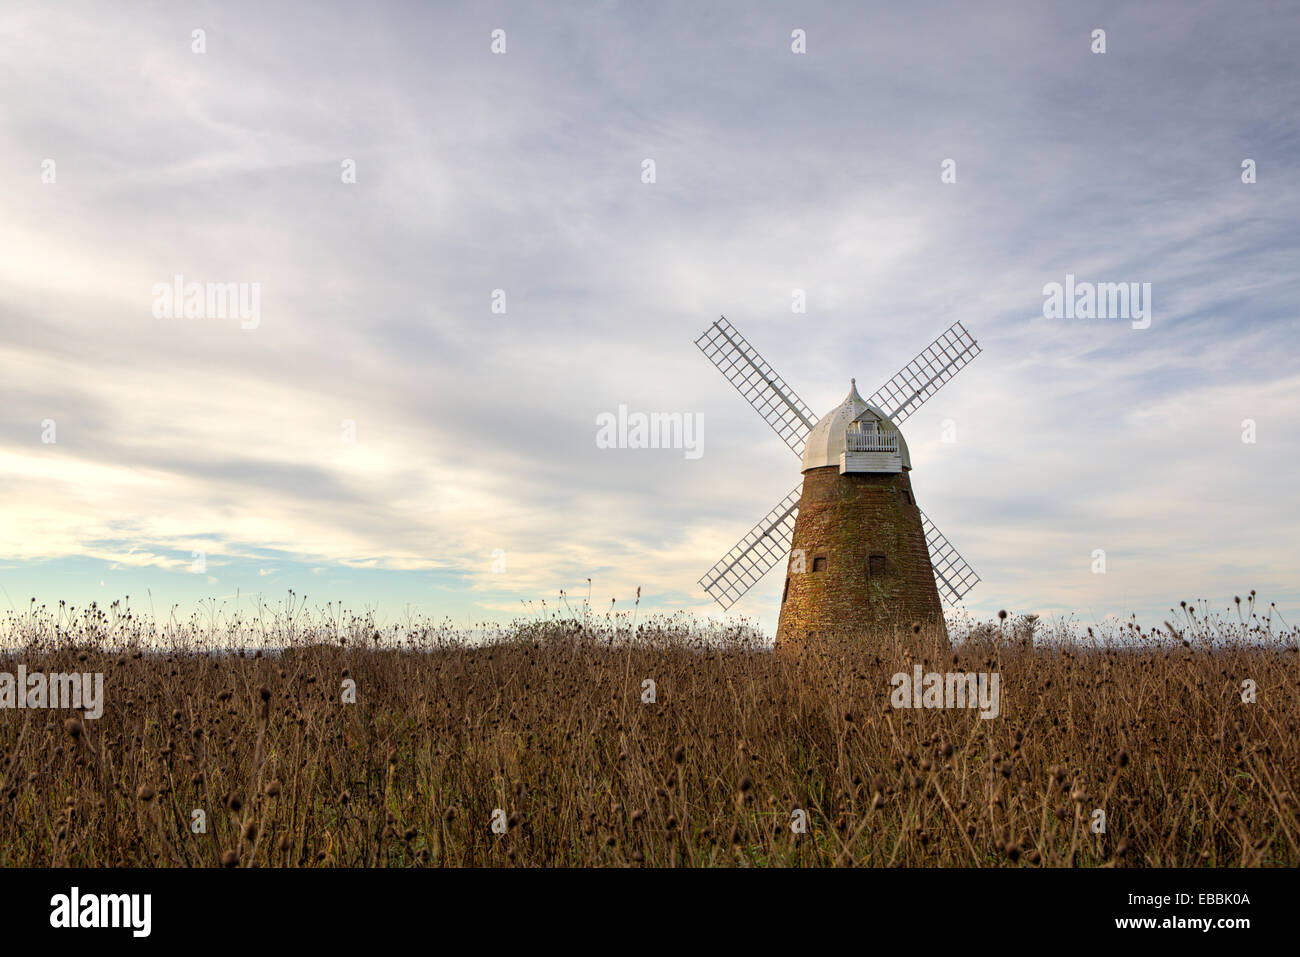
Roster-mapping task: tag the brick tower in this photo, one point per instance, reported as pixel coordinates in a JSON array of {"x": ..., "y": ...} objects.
[{"x": 858, "y": 555}]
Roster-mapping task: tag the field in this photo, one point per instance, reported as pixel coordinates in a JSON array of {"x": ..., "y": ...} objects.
[{"x": 543, "y": 748}]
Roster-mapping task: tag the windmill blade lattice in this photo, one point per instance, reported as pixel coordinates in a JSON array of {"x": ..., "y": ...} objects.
[
  {"x": 754, "y": 555},
  {"x": 753, "y": 378},
  {"x": 953, "y": 575},
  {"x": 925, "y": 375}
]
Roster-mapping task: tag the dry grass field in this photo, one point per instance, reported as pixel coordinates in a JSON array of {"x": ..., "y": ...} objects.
[{"x": 548, "y": 725}]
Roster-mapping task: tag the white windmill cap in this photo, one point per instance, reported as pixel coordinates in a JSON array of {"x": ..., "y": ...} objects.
[{"x": 826, "y": 440}]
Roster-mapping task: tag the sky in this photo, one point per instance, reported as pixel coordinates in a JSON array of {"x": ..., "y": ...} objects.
[{"x": 462, "y": 261}]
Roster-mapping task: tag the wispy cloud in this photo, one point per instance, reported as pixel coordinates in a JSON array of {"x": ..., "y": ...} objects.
[{"x": 472, "y": 431}]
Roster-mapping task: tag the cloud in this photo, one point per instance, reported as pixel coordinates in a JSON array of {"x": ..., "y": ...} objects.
[{"x": 475, "y": 430}]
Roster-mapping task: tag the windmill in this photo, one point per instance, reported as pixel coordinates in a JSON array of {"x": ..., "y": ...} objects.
[{"x": 860, "y": 552}]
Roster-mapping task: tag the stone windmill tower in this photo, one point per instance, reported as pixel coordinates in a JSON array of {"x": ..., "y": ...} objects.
[{"x": 858, "y": 552}]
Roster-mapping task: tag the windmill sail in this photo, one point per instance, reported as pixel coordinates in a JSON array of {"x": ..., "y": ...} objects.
[
  {"x": 753, "y": 378},
  {"x": 925, "y": 375},
  {"x": 954, "y": 577},
  {"x": 768, "y": 542},
  {"x": 754, "y": 555}
]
